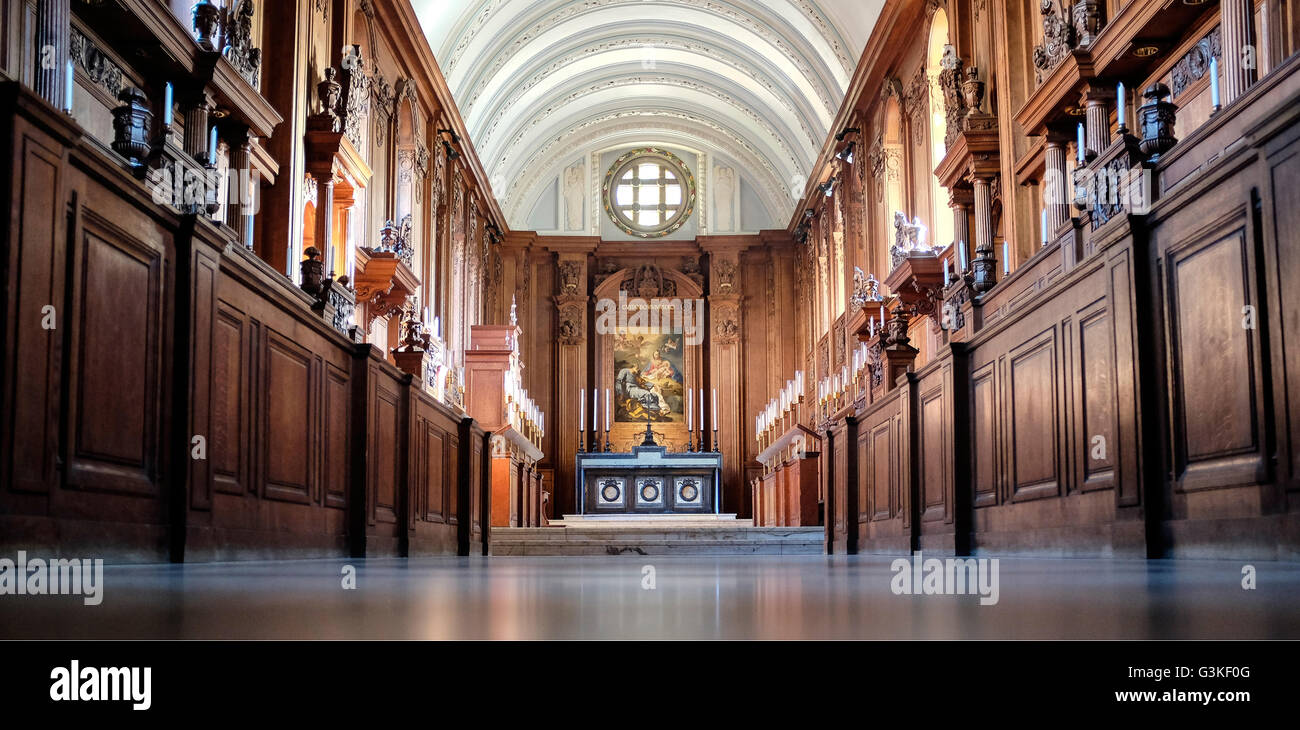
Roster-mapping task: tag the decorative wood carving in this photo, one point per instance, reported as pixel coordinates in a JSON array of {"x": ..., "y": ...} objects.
[{"x": 239, "y": 50}]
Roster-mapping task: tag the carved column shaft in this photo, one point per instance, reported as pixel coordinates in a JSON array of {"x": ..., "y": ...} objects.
[
  {"x": 1239, "y": 63},
  {"x": 1097, "y": 129},
  {"x": 983, "y": 215},
  {"x": 960, "y": 229},
  {"x": 1055, "y": 196},
  {"x": 196, "y": 129},
  {"x": 325, "y": 221},
  {"x": 52, "y": 28},
  {"x": 240, "y": 215}
]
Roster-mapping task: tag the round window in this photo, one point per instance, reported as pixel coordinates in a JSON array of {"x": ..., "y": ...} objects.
[{"x": 649, "y": 193}]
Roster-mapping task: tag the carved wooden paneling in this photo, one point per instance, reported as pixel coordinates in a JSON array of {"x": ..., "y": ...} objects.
[
  {"x": 883, "y": 472},
  {"x": 983, "y": 435},
  {"x": 385, "y": 463},
  {"x": 433, "y": 450},
  {"x": 935, "y": 454},
  {"x": 1213, "y": 359},
  {"x": 35, "y": 264},
  {"x": 338, "y": 387},
  {"x": 287, "y": 413},
  {"x": 116, "y": 422},
  {"x": 1033, "y": 411},
  {"x": 228, "y": 446},
  {"x": 1096, "y": 400},
  {"x": 1284, "y": 189}
]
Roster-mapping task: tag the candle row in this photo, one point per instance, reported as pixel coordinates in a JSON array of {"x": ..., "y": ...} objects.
[{"x": 787, "y": 400}]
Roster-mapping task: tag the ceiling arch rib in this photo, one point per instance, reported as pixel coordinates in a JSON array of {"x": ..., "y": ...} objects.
[
  {"x": 513, "y": 62},
  {"x": 654, "y": 90},
  {"x": 755, "y": 81},
  {"x": 681, "y": 56}
]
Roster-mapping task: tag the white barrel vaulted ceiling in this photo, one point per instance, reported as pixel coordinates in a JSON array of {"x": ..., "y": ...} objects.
[{"x": 756, "y": 81}]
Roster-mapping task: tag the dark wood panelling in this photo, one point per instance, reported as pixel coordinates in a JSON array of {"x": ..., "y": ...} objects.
[
  {"x": 1283, "y": 201},
  {"x": 288, "y": 420},
  {"x": 1097, "y": 400},
  {"x": 984, "y": 430},
  {"x": 228, "y": 446},
  {"x": 116, "y": 419},
  {"x": 1212, "y": 357},
  {"x": 1034, "y": 433},
  {"x": 35, "y": 253}
]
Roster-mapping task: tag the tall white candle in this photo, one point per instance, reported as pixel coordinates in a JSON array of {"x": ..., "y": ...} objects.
[
  {"x": 1081, "y": 145},
  {"x": 961, "y": 251},
  {"x": 1122, "y": 108},
  {"x": 582, "y": 409},
  {"x": 701, "y": 398},
  {"x": 67, "y": 90},
  {"x": 715, "y": 409},
  {"x": 690, "y": 410},
  {"x": 212, "y": 147},
  {"x": 1214, "y": 81},
  {"x": 1006, "y": 257},
  {"x": 945, "y": 272},
  {"x": 595, "y": 409},
  {"x": 167, "y": 106},
  {"x": 607, "y": 409},
  {"x": 1044, "y": 216}
]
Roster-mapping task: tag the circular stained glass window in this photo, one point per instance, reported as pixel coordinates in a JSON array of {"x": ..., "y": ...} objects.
[{"x": 649, "y": 193}]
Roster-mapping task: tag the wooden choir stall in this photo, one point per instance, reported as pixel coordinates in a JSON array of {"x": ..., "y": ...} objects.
[{"x": 496, "y": 398}]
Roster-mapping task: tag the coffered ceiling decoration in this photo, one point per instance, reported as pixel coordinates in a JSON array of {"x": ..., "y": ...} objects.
[{"x": 543, "y": 82}]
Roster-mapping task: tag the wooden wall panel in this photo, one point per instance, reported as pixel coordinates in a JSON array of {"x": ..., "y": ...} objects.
[
  {"x": 1032, "y": 384},
  {"x": 1283, "y": 202},
  {"x": 984, "y": 443},
  {"x": 1097, "y": 401},
  {"x": 1212, "y": 356},
  {"x": 287, "y": 413},
  {"x": 116, "y": 420},
  {"x": 35, "y": 249},
  {"x": 229, "y": 445}
]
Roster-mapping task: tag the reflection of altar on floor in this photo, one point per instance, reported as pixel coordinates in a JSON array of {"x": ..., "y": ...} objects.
[{"x": 649, "y": 480}]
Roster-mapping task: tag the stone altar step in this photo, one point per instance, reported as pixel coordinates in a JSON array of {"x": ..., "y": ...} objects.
[{"x": 657, "y": 539}]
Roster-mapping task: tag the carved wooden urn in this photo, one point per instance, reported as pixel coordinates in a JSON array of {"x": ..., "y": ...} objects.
[
  {"x": 131, "y": 123},
  {"x": 1157, "y": 118}
]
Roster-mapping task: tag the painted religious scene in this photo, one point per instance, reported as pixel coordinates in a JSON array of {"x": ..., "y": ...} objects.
[{"x": 648, "y": 378}]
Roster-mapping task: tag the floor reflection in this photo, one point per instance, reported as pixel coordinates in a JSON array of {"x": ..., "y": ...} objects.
[{"x": 811, "y": 597}]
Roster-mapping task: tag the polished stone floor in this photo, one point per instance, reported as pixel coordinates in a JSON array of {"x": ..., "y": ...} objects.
[{"x": 777, "y": 597}]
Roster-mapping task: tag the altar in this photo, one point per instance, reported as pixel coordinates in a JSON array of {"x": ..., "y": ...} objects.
[{"x": 649, "y": 480}]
